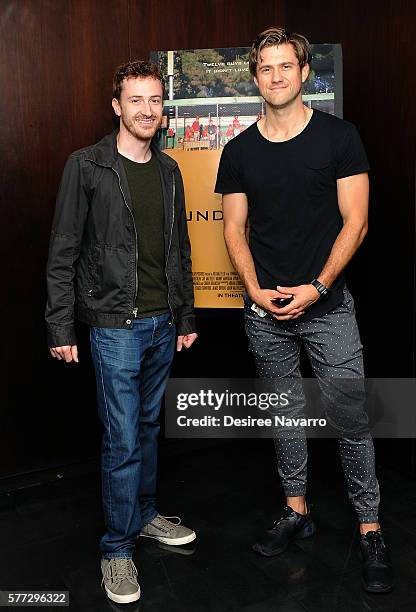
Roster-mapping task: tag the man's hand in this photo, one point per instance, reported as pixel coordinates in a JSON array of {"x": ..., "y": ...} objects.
[
  {"x": 264, "y": 298},
  {"x": 185, "y": 341},
  {"x": 67, "y": 353},
  {"x": 303, "y": 297}
]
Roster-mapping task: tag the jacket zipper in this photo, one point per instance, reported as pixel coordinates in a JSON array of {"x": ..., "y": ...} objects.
[
  {"x": 134, "y": 311},
  {"x": 170, "y": 241}
]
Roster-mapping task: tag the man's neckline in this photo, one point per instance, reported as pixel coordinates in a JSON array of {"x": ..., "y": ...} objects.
[{"x": 282, "y": 142}]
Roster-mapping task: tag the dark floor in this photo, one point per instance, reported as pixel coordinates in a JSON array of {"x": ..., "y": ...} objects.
[{"x": 228, "y": 493}]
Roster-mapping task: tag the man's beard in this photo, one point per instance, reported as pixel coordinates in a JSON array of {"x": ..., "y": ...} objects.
[{"x": 141, "y": 132}]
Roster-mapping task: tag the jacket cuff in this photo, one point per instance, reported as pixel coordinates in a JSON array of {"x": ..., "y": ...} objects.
[
  {"x": 61, "y": 335},
  {"x": 186, "y": 325}
]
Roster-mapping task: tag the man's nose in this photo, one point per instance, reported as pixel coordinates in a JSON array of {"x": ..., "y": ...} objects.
[
  {"x": 276, "y": 75},
  {"x": 146, "y": 108}
]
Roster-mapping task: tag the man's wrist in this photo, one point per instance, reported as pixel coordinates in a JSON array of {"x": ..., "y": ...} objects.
[
  {"x": 324, "y": 292},
  {"x": 252, "y": 291}
]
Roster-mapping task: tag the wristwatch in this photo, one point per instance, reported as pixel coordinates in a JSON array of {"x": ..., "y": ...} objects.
[{"x": 324, "y": 292}]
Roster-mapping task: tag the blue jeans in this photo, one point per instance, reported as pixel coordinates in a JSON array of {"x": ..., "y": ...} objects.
[{"x": 131, "y": 368}]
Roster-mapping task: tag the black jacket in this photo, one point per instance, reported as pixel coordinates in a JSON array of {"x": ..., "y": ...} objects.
[{"x": 92, "y": 264}]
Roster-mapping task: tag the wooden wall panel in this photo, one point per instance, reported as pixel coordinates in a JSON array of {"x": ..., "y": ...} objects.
[
  {"x": 57, "y": 60},
  {"x": 378, "y": 58},
  {"x": 199, "y": 24}
]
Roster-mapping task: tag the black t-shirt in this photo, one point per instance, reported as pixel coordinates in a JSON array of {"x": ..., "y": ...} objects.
[
  {"x": 291, "y": 188},
  {"x": 147, "y": 199}
]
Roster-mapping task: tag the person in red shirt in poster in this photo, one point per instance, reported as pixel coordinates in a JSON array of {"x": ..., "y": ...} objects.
[
  {"x": 189, "y": 133},
  {"x": 195, "y": 128},
  {"x": 236, "y": 126},
  {"x": 230, "y": 132}
]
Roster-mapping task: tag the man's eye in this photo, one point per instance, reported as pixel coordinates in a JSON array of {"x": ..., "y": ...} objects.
[
  {"x": 286, "y": 66},
  {"x": 155, "y": 101}
]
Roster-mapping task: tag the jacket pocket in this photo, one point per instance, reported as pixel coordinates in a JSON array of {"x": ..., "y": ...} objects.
[{"x": 91, "y": 272}]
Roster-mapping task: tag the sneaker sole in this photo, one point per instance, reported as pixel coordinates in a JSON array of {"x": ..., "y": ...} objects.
[
  {"x": 171, "y": 541},
  {"x": 376, "y": 589},
  {"x": 179, "y": 550},
  {"x": 122, "y": 598}
]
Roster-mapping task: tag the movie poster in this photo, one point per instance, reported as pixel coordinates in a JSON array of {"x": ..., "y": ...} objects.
[{"x": 211, "y": 98}]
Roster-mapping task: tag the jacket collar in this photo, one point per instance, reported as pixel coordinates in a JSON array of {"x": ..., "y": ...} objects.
[{"x": 105, "y": 153}]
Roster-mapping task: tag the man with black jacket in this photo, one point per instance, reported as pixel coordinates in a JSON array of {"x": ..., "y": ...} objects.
[{"x": 120, "y": 261}]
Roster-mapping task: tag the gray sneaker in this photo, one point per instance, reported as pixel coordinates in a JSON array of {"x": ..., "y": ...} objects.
[
  {"x": 120, "y": 579},
  {"x": 163, "y": 530}
]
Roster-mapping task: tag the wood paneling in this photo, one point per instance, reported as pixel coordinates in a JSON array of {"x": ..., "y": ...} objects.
[
  {"x": 199, "y": 24},
  {"x": 57, "y": 60},
  {"x": 379, "y": 56}
]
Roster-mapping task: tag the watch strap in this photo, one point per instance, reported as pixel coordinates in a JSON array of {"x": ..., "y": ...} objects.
[{"x": 323, "y": 291}]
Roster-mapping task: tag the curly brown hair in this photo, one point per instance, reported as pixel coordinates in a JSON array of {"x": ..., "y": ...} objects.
[
  {"x": 276, "y": 36},
  {"x": 133, "y": 70}
]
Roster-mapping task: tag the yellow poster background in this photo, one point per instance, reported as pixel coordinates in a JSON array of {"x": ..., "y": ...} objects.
[{"x": 216, "y": 283}]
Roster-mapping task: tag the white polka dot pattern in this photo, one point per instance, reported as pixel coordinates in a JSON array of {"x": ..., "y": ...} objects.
[{"x": 333, "y": 346}]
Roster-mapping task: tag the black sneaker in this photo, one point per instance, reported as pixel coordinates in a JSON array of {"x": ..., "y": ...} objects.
[
  {"x": 289, "y": 526},
  {"x": 378, "y": 575}
]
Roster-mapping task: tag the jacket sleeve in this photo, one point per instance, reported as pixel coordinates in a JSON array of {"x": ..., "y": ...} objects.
[
  {"x": 185, "y": 314},
  {"x": 64, "y": 247}
]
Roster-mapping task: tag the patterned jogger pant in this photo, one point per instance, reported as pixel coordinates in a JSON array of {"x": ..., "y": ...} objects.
[{"x": 333, "y": 347}]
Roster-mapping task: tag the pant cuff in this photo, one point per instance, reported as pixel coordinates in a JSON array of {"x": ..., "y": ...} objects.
[
  {"x": 368, "y": 518},
  {"x": 299, "y": 492},
  {"x": 149, "y": 519},
  {"x": 126, "y": 555}
]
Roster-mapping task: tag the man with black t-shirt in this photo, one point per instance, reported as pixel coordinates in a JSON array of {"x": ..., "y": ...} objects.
[
  {"x": 300, "y": 177},
  {"x": 119, "y": 261}
]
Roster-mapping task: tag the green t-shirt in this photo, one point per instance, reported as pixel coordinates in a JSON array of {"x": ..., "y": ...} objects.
[{"x": 147, "y": 201}]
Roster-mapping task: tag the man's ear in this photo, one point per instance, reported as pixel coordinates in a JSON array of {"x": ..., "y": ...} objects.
[
  {"x": 256, "y": 81},
  {"x": 116, "y": 106},
  {"x": 305, "y": 72}
]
